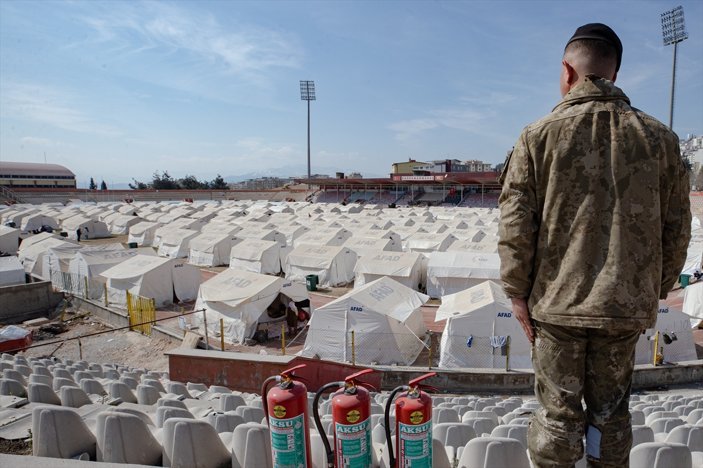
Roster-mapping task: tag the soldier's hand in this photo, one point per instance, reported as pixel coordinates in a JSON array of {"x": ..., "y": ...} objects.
[{"x": 522, "y": 314}]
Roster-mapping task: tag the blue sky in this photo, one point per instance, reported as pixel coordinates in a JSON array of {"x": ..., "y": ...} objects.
[{"x": 120, "y": 89}]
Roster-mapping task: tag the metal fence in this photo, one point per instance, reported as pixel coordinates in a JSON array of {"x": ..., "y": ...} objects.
[
  {"x": 78, "y": 285},
  {"x": 142, "y": 313}
]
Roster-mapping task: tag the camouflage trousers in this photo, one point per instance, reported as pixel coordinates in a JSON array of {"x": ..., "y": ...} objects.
[{"x": 571, "y": 364}]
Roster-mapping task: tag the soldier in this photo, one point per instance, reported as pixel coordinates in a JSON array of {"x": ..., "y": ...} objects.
[{"x": 595, "y": 220}]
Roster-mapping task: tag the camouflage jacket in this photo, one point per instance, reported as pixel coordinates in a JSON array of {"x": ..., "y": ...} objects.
[{"x": 595, "y": 214}]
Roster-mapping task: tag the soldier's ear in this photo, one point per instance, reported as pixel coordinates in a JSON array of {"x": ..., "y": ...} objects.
[{"x": 570, "y": 75}]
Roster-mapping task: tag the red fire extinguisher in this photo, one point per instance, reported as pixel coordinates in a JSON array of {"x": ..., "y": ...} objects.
[
  {"x": 286, "y": 409},
  {"x": 413, "y": 425},
  {"x": 351, "y": 411}
]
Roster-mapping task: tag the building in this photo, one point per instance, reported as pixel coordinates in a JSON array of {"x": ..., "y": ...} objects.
[
  {"x": 262, "y": 183},
  {"x": 440, "y": 166},
  {"x": 35, "y": 175}
]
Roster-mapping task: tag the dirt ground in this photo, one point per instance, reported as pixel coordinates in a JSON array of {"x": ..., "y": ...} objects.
[{"x": 122, "y": 347}]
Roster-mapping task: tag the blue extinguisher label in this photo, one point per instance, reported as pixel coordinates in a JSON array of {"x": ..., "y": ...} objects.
[
  {"x": 415, "y": 449},
  {"x": 288, "y": 442},
  {"x": 353, "y": 445}
]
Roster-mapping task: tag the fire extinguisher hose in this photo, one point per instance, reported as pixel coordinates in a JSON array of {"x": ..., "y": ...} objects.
[
  {"x": 264, "y": 392},
  {"x": 318, "y": 424},
  {"x": 387, "y": 423}
]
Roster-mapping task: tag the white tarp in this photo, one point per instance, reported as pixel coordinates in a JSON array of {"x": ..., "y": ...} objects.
[
  {"x": 9, "y": 240},
  {"x": 385, "y": 317},
  {"x": 153, "y": 277},
  {"x": 11, "y": 271},
  {"x": 210, "y": 248},
  {"x": 470, "y": 246},
  {"x": 451, "y": 272},
  {"x": 403, "y": 267},
  {"x": 175, "y": 243},
  {"x": 479, "y": 320},
  {"x": 143, "y": 233},
  {"x": 258, "y": 256},
  {"x": 92, "y": 263},
  {"x": 673, "y": 323},
  {"x": 334, "y": 266},
  {"x": 241, "y": 299}
]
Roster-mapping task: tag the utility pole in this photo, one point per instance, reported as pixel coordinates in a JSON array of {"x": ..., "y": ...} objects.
[
  {"x": 307, "y": 93},
  {"x": 673, "y": 32}
]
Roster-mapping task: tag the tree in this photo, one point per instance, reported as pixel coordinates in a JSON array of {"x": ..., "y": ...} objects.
[
  {"x": 499, "y": 167},
  {"x": 92, "y": 185},
  {"x": 163, "y": 181},
  {"x": 138, "y": 185},
  {"x": 103, "y": 185},
  {"x": 190, "y": 182},
  {"x": 218, "y": 183}
]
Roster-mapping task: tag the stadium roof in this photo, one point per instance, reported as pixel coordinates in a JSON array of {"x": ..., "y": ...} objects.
[
  {"x": 449, "y": 178},
  {"x": 33, "y": 169}
]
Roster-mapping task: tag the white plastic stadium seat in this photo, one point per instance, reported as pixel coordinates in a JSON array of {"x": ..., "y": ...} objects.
[{"x": 660, "y": 455}]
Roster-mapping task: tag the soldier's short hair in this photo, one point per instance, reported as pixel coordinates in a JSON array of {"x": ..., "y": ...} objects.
[{"x": 593, "y": 50}]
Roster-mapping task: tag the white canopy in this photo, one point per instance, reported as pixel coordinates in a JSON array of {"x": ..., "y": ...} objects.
[
  {"x": 258, "y": 256},
  {"x": 372, "y": 245},
  {"x": 470, "y": 246},
  {"x": 36, "y": 221},
  {"x": 450, "y": 272},
  {"x": 32, "y": 257},
  {"x": 241, "y": 299},
  {"x": 403, "y": 267},
  {"x": 153, "y": 277},
  {"x": 478, "y": 321},
  {"x": 693, "y": 301},
  {"x": 385, "y": 317},
  {"x": 324, "y": 236},
  {"x": 90, "y": 228},
  {"x": 429, "y": 242},
  {"x": 333, "y": 265},
  {"x": 92, "y": 263},
  {"x": 672, "y": 322}
]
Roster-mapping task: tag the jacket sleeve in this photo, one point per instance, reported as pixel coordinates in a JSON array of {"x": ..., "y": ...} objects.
[
  {"x": 518, "y": 222},
  {"x": 676, "y": 232}
]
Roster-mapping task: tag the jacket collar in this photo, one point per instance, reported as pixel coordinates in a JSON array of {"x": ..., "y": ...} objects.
[{"x": 593, "y": 88}]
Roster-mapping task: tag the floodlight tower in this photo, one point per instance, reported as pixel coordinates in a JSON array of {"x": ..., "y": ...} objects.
[
  {"x": 673, "y": 32},
  {"x": 307, "y": 93}
]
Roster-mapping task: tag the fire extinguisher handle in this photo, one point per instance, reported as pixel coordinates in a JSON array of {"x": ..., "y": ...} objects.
[
  {"x": 318, "y": 424},
  {"x": 353, "y": 377},
  {"x": 291, "y": 371},
  {"x": 415, "y": 382}
]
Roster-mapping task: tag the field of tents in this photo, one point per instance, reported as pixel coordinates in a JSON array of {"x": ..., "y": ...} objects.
[{"x": 389, "y": 262}]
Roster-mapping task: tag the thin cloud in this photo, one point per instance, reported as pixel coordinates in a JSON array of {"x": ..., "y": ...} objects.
[
  {"x": 49, "y": 106},
  {"x": 239, "y": 49}
]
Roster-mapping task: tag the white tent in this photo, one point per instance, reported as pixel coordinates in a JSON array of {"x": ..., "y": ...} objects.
[
  {"x": 36, "y": 221},
  {"x": 9, "y": 239},
  {"x": 143, "y": 233},
  {"x": 324, "y": 236},
  {"x": 450, "y": 272},
  {"x": 385, "y": 317},
  {"x": 175, "y": 243},
  {"x": 370, "y": 245},
  {"x": 32, "y": 257},
  {"x": 427, "y": 242},
  {"x": 334, "y": 266},
  {"x": 479, "y": 320},
  {"x": 403, "y": 267},
  {"x": 250, "y": 231},
  {"x": 693, "y": 301},
  {"x": 35, "y": 239},
  {"x": 210, "y": 248},
  {"x": 153, "y": 277},
  {"x": 241, "y": 299},
  {"x": 258, "y": 256},
  {"x": 90, "y": 228},
  {"x": 87, "y": 265},
  {"x": 671, "y": 322},
  {"x": 470, "y": 246},
  {"x": 11, "y": 271},
  {"x": 121, "y": 224}
]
